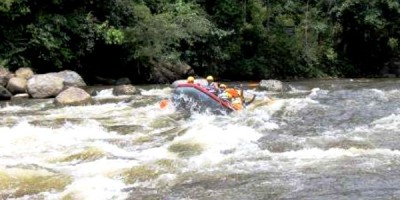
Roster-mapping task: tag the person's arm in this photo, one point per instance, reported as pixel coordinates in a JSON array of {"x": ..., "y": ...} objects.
[
  {"x": 251, "y": 100},
  {"x": 216, "y": 85},
  {"x": 241, "y": 93}
]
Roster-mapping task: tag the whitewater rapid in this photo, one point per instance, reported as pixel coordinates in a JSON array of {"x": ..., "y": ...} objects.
[{"x": 319, "y": 140}]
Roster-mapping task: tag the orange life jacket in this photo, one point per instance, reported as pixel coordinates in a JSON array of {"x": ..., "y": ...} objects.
[
  {"x": 237, "y": 104},
  {"x": 234, "y": 93}
]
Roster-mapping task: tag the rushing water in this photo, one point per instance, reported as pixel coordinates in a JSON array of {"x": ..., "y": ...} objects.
[{"x": 335, "y": 139}]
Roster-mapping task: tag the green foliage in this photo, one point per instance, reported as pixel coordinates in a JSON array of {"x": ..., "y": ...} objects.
[
  {"x": 369, "y": 32},
  {"x": 235, "y": 39},
  {"x": 110, "y": 34},
  {"x": 393, "y": 43},
  {"x": 158, "y": 35},
  {"x": 5, "y": 5}
]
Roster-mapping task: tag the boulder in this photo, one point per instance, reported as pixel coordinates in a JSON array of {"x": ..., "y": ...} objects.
[
  {"x": 5, "y": 76},
  {"x": 24, "y": 72},
  {"x": 4, "y": 71},
  {"x": 70, "y": 78},
  {"x": 4, "y": 94},
  {"x": 271, "y": 85},
  {"x": 73, "y": 96},
  {"x": 44, "y": 86},
  {"x": 123, "y": 81},
  {"x": 125, "y": 90},
  {"x": 166, "y": 72},
  {"x": 17, "y": 85},
  {"x": 104, "y": 81}
]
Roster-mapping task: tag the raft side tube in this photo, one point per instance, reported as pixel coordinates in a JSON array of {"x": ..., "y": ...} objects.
[{"x": 197, "y": 98}]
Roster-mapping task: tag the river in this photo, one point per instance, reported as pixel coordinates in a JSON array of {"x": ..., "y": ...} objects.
[{"x": 322, "y": 139}]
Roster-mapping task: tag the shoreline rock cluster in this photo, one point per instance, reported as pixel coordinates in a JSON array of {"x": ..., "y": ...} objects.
[{"x": 66, "y": 87}]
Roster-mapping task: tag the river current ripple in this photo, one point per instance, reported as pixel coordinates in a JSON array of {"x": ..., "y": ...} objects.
[{"x": 321, "y": 139}]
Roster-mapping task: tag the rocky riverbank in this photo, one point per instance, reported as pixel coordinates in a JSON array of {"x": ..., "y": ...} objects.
[{"x": 66, "y": 87}]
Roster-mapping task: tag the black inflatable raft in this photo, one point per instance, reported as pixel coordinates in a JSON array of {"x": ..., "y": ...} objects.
[{"x": 193, "y": 97}]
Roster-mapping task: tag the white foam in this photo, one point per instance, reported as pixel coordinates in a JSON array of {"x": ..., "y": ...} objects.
[
  {"x": 100, "y": 167},
  {"x": 294, "y": 90},
  {"x": 216, "y": 138},
  {"x": 166, "y": 179},
  {"x": 294, "y": 160},
  {"x": 317, "y": 91},
  {"x": 391, "y": 122},
  {"x": 96, "y": 188},
  {"x": 87, "y": 112},
  {"x": 268, "y": 107},
  {"x": 9, "y": 108},
  {"x": 314, "y": 154},
  {"x": 106, "y": 93},
  {"x": 30, "y": 143},
  {"x": 214, "y": 135},
  {"x": 157, "y": 92},
  {"x": 155, "y": 154},
  {"x": 296, "y": 104}
]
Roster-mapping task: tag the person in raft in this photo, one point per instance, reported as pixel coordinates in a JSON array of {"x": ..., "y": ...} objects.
[
  {"x": 225, "y": 96},
  {"x": 212, "y": 86},
  {"x": 234, "y": 96},
  {"x": 190, "y": 79},
  {"x": 231, "y": 95}
]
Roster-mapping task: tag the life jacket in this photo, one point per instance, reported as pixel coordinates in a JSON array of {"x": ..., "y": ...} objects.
[
  {"x": 225, "y": 96},
  {"x": 237, "y": 103},
  {"x": 212, "y": 88},
  {"x": 234, "y": 93}
]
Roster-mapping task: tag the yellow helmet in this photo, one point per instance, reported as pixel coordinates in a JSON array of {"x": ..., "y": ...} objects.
[
  {"x": 222, "y": 86},
  {"x": 190, "y": 79},
  {"x": 210, "y": 78}
]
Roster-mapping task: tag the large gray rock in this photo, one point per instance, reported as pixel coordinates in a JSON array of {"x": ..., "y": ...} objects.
[
  {"x": 5, "y": 76},
  {"x": 271, "y": 85},
  {"x": 24, "y": 72},
  {"x": 4, "y": 94},
  {"x": 73, "y": 96},
  {"x": 166, "y": 72},
  {"x": 4, "y": 71},
  {"x": 17, "y": 85},
  {"x": 104, "y": 81},
  {"x": 44, "y": 85},
  {"x": 123, "y": 81},
  {"x": 125, "y": 90},
  {"x": 70, "y": 78}
]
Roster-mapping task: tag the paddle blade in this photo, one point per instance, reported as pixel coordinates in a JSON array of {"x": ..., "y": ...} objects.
[{"x": 164, "y": 103}]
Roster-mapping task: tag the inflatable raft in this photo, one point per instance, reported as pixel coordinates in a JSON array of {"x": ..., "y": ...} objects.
[{"x": 193, "y": 97}]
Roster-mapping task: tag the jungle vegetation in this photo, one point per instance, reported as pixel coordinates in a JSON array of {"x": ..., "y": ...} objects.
[{"x": 234, "y": 39}]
